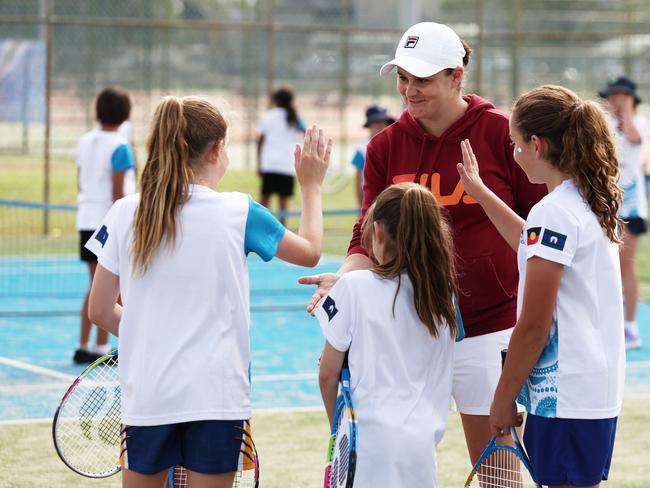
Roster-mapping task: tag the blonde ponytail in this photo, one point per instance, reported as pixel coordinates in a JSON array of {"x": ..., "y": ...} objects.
[{"x": 182, "y": 130}]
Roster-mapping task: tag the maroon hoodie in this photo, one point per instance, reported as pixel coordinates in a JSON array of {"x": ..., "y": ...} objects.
[{"x": 486, "y": 265}]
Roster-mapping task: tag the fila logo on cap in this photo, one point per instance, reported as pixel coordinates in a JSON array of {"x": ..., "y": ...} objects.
[{"x": 411, "y": 41}]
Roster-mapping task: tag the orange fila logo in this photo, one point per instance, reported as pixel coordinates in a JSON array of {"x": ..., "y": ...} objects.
[{"x": 454, "y": 198}]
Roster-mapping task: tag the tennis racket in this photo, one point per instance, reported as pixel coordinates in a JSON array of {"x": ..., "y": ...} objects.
[
  {"x": 502, "y": 466},
  {"x": 87, "y": 422},
  {"x": 248, "y": 472},
  {"x": 342, "y": 449}
]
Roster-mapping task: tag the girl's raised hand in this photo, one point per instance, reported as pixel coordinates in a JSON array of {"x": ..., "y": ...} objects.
[
  {"x": 468, "y": 171},
  {"x": 312, "y": 160}
]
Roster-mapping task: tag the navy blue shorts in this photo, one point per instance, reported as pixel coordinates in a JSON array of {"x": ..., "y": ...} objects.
[
  {"x": 636, "y": 226},
  {"x": 206, "y": 446},
  {"x": 574, "y": 452}
]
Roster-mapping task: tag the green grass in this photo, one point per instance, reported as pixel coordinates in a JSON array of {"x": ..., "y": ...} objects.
[
  {"x": 292, "y": 452},
  {"x": 21, "y": 230}
]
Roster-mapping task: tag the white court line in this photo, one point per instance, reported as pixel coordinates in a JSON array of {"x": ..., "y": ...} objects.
[
  {"x": 265, "y": 378},
  {"x": 638, "y": 364},
  {"x": 29, "y": 387},
  {"x": 258, "y": 411},
  {"x": 14, "y": 363}
]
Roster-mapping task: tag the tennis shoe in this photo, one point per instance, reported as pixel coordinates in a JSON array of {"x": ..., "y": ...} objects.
[
  {"x": 632, "y": 339},
  {"x": 81, "y": 356}
]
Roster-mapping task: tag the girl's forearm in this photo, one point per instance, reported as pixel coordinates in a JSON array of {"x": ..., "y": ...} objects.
[
  {"x": 507, "y": 222},
  {"x": 109, "y": 320},
  {"x": 329, "y": 391},
  {"x": 311, "y": 219},
  {"x": 525, "y": 347}
]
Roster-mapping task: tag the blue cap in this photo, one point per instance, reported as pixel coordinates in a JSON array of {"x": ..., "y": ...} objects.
[
  {"x": 375, "y": 113},
  {"x": 622, "y": 84}
]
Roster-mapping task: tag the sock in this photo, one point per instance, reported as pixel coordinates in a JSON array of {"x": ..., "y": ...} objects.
[
  {"x": 84, "y": 346},
  {"x": 103, "y": 348},
  {"x": 632, "y": 327}
]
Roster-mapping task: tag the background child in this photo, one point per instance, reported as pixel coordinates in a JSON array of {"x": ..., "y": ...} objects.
[
  {"x": 397, "y": 322},
  {"x": 176, "y": 254},
  {"x": 279, "y": 131},
  {"x": 377, "y": 119},
  {"x": 106, "y": 173},
  {"x": 567, "y": 348},
  {"x": 630, "y": 134}
]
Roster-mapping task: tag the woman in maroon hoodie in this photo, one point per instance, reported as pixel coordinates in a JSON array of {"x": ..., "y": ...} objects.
[{"x": 424, "y": 146}]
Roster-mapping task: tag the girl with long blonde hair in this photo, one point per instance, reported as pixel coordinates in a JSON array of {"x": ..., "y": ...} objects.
[{"x": 176, "y": 253}]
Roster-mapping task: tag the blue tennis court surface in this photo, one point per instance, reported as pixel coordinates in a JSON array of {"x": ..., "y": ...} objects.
[
  {"x": 39, "y": 322},
  {"x": 39, "y": 328}
]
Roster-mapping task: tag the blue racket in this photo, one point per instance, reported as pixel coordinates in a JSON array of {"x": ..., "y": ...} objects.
[
  {"x": 342, "y": 448},
  {"x": 502, "y": 466}
]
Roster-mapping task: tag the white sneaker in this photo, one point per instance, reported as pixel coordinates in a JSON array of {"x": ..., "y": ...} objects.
[{"x": 632, "y": 338}]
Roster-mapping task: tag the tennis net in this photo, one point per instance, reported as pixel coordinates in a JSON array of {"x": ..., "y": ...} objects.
[{"x": 41, "y": 274}]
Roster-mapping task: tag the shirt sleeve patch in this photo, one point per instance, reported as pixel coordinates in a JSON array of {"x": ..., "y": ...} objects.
[
  {"x": 329, "y": 305},
  {"x": 553, "y": 239},
  {"x": 102, "y": 235},
  {"x": 533, "y": 235}
]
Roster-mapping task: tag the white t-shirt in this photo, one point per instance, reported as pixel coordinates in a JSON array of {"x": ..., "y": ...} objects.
[
  {"x": 184, "y": 334},
  {"x": 632, "y": 177},
  {"x": 581, "y": 371},
  {"x": 400, "y": 377},
  {"x": 280, "y": 140},
  {"x": 126, "y": 130},
  {"x": 100, "y": 153}
]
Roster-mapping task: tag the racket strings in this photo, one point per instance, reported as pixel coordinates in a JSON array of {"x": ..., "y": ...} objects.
[
  {"x": 501, "y": 469},
  {"x": 87, "y": 432}
]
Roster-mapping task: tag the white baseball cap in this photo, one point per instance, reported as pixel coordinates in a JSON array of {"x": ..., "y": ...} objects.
[{"x": 426, "y": 49}]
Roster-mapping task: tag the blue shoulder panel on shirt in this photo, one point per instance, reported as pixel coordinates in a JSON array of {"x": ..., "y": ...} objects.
[
  {"x": 358, "y": 160},
  {"x": 300, "y": 124},
  {"x": 122, "y": 158},
  {"x": 263, "y": 231}
]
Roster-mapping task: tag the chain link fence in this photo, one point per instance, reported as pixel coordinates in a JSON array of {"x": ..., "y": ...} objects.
[{"x": 55, "y": 55}]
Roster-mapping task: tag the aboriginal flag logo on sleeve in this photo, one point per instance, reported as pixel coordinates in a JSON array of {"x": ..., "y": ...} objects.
[
  {"x": 553, "y": 239},
  {"x": 533, "y": 235}
]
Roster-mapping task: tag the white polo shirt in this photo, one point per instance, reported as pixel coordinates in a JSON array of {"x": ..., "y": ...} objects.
[
  {"x": 581, "y": 371},
  {"x": 184, "y": 334},
  {"x": 100, "y": 153},
  {"x": 280, "y": 140},
  {"x": 632, "y": 176},
  {"x": 400, "y": 377}
]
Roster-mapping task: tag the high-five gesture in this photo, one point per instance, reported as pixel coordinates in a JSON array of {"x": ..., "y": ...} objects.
[
  {"x": 313, "y": 158},
  {"x": 468, "y": 171},
  {"x": 507, "y": 222}
]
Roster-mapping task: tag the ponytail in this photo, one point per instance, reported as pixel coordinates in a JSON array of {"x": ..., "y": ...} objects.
[
  {"x": 589, "y": 156},
  {"x": 419, "y": 242},
  {"x": 182, "y": 130},
  {"x": 580, "y": 144},
  {"x": 283, "y": 98}
]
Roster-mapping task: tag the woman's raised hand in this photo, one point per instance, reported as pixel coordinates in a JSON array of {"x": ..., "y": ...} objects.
[
  {"x": 468, "y": 171},
  {"x": 313, "y": 158}
]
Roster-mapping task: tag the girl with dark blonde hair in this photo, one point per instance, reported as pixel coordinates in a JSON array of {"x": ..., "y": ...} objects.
[
  {"x": 176, "y": 253},
  {"x": 566, "y": 357},
  {"x": 400, "y": 342}
]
